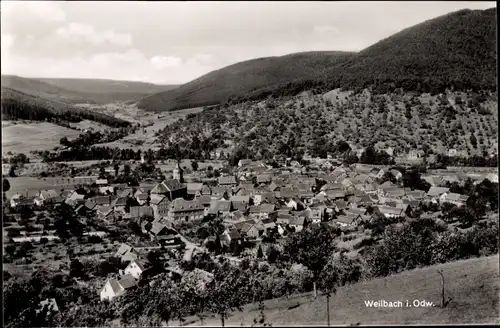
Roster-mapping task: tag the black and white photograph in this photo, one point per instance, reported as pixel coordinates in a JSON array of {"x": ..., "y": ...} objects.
[{"x": 249, "y": 163}]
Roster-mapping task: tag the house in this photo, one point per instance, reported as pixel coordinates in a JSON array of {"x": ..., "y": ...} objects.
[
  {"x": 435, "y": 193},
  {"x": 262, "y": 211},
  {"x": 101, "y": 182},
  {"x": 46, "y": 196},
  {"x": 137, "y": 212},
  {"x": 194, "y": 189},
  {"x": 244, "y": 162},
  {"x": 264, "y": 197},
  {"x": 390, "y": 212},
  {"x": 19, "y": 200},
  {"x": 283, "y": 219},
  {"x": 142, "y": 199},
  {"x": 394, "y": 192},
  {"x": 160, "y": 205},
  {"x": 317, "y": 211},
  {"x": 240, "y": 202},
  {"x": 249, "y": 230},
  {"x": 126, "y": 253},
  {"x": 106, "y": 190},
  {"x": 119, "y": 204},
  {"x": 218, "y": 192},
  {"x": 297, "y": 223},
  {"x": 205, "y": 201},
  {"x": 74, "y": 198},
  {"x": 453, "y": 198},
  {"x": 220, "y": 207},
  {"x": 114, "y": 288},
  {"x": 106, "y": 212},
  {"x": 434, "y": 181},
  {"x": 334, "y": 194},
  {"x": 228, "y": 181},
  {"x": 397, "y": 174},
  {"x": 306, "y": 196},
  {"x": 170, "y": 188},
  {"x": 135, "y": 268},
  {"x": 181, "y": 209},
  {"x": 295, "y": 204},
  {"x": 264, "y": 178},
  {"x": 205, "y": 190}
]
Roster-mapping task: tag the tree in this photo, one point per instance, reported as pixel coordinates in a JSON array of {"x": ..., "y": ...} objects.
[
  {"x": 117, "y": 168},
  {"x": 328, "y": 285},
  {"x": 312, "y": 247},
  {"x": 194, "y": 165},
  {"x": 223, "y": 291},
  {"x": 260, "y": 254},
  {"x": 6, "y": 185},
  {"x": 473, "y": 140},
  {"x": 76, "y": 268},
  {"x": 12, "y": 171}
]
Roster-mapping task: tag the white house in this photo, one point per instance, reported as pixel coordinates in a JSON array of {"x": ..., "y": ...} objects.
[
  {"x": 453, "y": 198},
  {"x": 135, "y": 269},
  {"x": 114, "y": 288}
]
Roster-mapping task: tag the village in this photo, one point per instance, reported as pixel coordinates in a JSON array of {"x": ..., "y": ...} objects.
[{"x": 231, "y": 213}]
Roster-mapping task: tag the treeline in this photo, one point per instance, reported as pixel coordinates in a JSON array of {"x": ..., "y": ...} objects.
[
  {"x": 442, "y": 161},
  {"x": 90, "y": 137},
  {"x": 25, "y": 110}
]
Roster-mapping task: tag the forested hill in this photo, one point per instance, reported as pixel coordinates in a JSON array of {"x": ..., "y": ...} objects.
[
  {"x": 17, "y": 105},
  {"x": 81, "y": 91},
  {"x": 242, "y": 78},
  {"x": 456, "y": 50}
]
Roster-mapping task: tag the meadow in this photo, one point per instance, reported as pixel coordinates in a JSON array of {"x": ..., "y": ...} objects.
[
  {"x": 472, "y": 284},
  {"x": 27, "y": 137}
]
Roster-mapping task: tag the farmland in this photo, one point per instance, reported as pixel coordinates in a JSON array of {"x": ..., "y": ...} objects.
[
  {"x": 25, "y": 137},
  {"x": 473, "y": 284}
]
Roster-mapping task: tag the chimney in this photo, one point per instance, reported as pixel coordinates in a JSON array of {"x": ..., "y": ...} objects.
[{"x": 26, "y": 195}]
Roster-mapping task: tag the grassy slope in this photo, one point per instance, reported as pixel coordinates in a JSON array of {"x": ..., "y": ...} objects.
[
  {"x": 460, "y": 46},
  {"x": 473, "y": 284},
  {"x": 243, "y": 77}
]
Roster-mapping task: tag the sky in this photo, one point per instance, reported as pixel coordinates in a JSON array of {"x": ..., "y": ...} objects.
[{"x": 176, "y": 42}]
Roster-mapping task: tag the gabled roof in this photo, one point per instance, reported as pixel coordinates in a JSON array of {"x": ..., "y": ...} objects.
[
  {"x": 227, "y": 180},
  {"x": 172, "y": 185},
  {"x": 395, "y": 192},
  {"x": 181, "y": 205},
  {"x": 298, "y": 221},
  {"x": 264, "y": 178},
  {"x": 437, "y": 191},
  {"x": 390, "y": 210},
  {"x": 204, "y": 200},
  {"x": 193, "y": 188},
  {"x": 335, "y": 193},
  {"x": 142, "y": 197},
  {"x": 127, "y": 281},
  {"x": 456, "y": 197},
  {"x": 245, "y": 199},
  {"x": 115, "y": 286},
  {"x": 124, "y": 248},
  {"x": 157, "y": 199},
  {"x": 140, "y": 211},
  {"x": 101, "y": 181}
]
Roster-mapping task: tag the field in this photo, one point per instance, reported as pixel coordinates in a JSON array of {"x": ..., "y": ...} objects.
[
  {"x": 144, "y": 138},
  {"x": 25, "y": 137},
  {"x": 473, "y": 284},
  {"x": 20, "y": 184}
]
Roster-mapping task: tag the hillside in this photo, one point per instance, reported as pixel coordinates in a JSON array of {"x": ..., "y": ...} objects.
[
  {"x": 82, "y": 91},
  {"x": 244, "y": 77},
  {"x": 119, "y": 89},
  {"x": 454, "y": 50},
  {"x": 314, "y": 124},
  {"x": 17, "y": 105},
  {"x": 473, "y": 284}
]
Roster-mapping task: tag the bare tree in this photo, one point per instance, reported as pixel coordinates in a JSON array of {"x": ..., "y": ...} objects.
[{"x": 444, "y": 301}]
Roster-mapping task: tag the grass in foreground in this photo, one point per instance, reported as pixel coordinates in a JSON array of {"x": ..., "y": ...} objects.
[{"x": 473, "y": 284}]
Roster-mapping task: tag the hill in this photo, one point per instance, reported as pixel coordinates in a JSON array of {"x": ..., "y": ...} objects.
[
  {"x": 454, "y": 50},
  {"x": 473, "y": 284},
  {"x": 81, "y": 91},
  {"x": 126, "y": 90},
  {"x": 17, "y": 105},
  {"x": 243, "y": 77}
]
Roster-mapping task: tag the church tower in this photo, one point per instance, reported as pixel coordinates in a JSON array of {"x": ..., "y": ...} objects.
[{"x": 178, "y": 173}]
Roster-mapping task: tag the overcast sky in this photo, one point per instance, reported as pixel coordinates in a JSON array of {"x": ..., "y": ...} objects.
[{"x": 175, "y": 42}]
